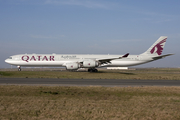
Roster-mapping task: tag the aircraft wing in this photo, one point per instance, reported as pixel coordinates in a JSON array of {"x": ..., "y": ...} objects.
[
  {"x": 162, "y": 56},
  {"x": 107, "y": 60}
]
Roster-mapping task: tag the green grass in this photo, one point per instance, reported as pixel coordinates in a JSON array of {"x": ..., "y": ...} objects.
[
  {"x": 5, "y": 74},
  {"x": 153, "y": 74},
  {"x": 85, "y": 103}
]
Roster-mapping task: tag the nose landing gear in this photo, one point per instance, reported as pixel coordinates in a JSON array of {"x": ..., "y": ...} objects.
[{"x": 19, "y": 68}]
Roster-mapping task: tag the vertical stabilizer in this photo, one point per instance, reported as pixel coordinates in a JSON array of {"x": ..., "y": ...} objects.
[{"x": 157, "y": 48}]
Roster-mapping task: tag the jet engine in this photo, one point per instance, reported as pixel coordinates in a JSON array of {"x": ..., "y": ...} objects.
[
  {"x": 72, "y": 66},
  {"x": 90, "y": 63}
]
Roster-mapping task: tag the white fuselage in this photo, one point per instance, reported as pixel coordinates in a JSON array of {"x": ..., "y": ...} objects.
[{"x": 59, "y": 60}]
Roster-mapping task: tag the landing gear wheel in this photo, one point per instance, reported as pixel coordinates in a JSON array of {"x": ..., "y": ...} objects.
[
  {"x": 92, "y": 70},
  {"x": 95, "y": 70}
]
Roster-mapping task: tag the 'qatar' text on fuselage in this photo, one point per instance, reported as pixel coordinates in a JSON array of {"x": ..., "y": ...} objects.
[{"x": 37, "y": 58}]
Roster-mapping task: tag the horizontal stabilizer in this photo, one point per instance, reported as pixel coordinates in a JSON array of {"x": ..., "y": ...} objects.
[{"x": 162, "y": 56}]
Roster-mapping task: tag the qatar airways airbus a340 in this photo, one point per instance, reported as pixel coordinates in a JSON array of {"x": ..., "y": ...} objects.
[{"x": 76, "y": 61}]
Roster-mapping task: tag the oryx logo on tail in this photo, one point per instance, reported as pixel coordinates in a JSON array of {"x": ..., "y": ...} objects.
[{"x": 158, "y": 47}]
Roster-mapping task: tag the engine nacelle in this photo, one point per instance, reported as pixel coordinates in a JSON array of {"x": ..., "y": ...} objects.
[
  {"x": 72, "y": 66},
  {"x": 90, "y": 63}
]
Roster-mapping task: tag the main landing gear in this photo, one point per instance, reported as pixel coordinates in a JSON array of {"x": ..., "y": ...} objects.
[
  {"x": 92, "y": 70},
  {"x": 19, "y": 68}
]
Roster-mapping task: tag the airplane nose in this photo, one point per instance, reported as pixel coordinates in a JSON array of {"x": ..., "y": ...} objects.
[{"x": 7, "y": 61}]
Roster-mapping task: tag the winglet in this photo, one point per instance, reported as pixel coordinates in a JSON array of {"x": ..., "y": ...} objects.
[{"x": 126, "y": 55}]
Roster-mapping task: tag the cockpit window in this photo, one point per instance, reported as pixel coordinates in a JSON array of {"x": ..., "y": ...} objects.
[{"x": 10, "y": 58}]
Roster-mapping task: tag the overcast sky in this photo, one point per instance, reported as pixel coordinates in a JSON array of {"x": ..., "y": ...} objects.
[{"x": 89, "y": 27}]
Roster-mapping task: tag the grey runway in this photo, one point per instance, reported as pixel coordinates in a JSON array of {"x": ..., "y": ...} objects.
[{"x": 87, "y": 82}]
